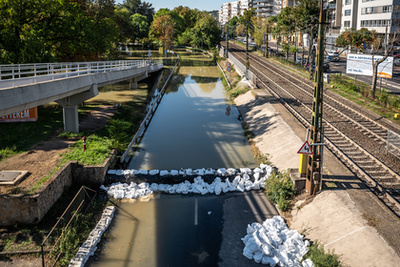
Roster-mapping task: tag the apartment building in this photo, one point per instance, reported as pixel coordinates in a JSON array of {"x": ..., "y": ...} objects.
[
  {"x": 232, "y": 9},
  {"x": 263, "y": 8},
  {"x": 372, "y": 14},
  {"x": 267, "y": 8}
]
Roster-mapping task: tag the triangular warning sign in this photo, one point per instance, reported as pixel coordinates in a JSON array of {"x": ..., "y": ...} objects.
[{"x": 305, "y": 149}]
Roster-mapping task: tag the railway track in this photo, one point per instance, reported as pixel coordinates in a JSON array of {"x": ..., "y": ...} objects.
[{"x": 356, "y": 137}]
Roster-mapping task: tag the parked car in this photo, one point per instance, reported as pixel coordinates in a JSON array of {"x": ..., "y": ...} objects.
[
  {"x": 326, "y": 67},
  {"x": 333, "y": 56}
]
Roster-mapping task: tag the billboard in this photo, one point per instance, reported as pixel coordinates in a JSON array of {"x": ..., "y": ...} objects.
[
  {"x": 25, "y": 115},
  {"x": 361, "y": 64}
]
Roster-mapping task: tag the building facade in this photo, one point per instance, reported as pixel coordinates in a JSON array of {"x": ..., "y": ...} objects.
[
  {"x": 232, "y": 9},
  {"x": 371, "y": 14}
]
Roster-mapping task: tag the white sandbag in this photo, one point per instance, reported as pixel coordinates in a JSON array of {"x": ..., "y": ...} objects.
[
  {"x": 143, "y": 172},
  {"x": 164, "y": 173},
  {"x": 154, "y": 172},
  {"x": 174, "y": 172},
  {"x": 307, "y": 263},
  {"x": 209, "y": 171},
  {"x": 257, "y": 257}
]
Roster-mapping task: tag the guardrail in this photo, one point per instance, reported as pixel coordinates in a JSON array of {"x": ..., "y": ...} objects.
[{"x": 22, "y": 74}]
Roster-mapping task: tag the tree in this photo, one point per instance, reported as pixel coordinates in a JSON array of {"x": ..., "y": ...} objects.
[
  {"x": 140, "y": 26},
  {"x": 49, "y": 30},
  {"x": 359, "y": 38},
  {"x": 387, "y": 50},
  {"x": 123, "y": 21},
  {"x": 162, "y": 28},
  {"x": 206, "y": 32},
  {"x": 137, "y": 6},
  {"x": 233, "y": 23},
  {"x": 177, "y": 21}
]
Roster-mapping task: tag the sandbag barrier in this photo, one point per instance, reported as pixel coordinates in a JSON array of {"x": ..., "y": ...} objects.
[
  {"x": 90, "y": 245},
  {"x": 131, "y": 184},
  {"x": 273, "y": 243}
]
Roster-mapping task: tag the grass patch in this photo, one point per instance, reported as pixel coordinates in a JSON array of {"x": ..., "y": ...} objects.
[
  {"x": 280, "y": 190},
  {"x": 383, "y": 104},
  {"x": 18, "y": 137}
]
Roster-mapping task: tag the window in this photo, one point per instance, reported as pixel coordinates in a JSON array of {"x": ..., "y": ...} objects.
[
  {"x": 347, "y": 12},
  {"x": 347, "y": 2},
  {"x": 386, "y": 9},
  {"x": 346, "y": 24}
]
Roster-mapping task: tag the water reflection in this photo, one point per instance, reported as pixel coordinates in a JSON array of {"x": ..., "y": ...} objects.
[{"x": 195, "y": 126}]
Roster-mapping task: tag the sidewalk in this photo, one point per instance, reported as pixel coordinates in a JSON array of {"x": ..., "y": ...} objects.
[{"x": 345, "y": 216}]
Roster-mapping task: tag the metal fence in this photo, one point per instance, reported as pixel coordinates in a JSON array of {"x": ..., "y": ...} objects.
[
  {"x": 393, "y": 143},
  {"x": 50, "y": 247},
  {"x": 240, "y": 66},
  {"x": 20, "y": 74}
]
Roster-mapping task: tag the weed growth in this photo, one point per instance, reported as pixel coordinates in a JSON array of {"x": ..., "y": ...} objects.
[
  {"x": 320, "y": 258},
  {"x": 280, "y": 190}
]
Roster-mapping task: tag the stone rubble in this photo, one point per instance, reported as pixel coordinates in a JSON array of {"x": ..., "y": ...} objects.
[{"x": 273, "y": 243}]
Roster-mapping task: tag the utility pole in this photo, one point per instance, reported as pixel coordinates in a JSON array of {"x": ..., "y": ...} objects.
[
  {"x": 227, "y": 43},
  {"x": 314, "y": 166},
  {"x": 266, "y": 45},
  {"x": 247, "y": 50}
]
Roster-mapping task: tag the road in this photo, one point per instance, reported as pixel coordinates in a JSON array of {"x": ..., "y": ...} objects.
[{"x": 183, "y": 230}]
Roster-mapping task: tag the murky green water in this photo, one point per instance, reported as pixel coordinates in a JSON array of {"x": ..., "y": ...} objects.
[{"x": 195, "y": 125}]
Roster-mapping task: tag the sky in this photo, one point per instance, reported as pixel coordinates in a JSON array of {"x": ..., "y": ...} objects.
[{"x": 207, "y": 5}]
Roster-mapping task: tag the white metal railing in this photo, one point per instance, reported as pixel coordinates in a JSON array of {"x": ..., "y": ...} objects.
[{"x": 22, "y": 74}]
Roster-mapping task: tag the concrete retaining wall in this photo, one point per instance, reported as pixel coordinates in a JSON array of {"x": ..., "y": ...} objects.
[{"x": 29, "y": 209}]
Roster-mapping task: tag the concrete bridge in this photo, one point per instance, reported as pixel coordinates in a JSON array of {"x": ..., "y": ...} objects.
[{"x": 25, "y": 86}]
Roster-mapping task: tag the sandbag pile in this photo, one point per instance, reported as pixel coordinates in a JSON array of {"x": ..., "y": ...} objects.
[
  {"x": 245, "y": 180},
  {"x": 273, "y": 243},
  {"x": 89, "y": 246}
]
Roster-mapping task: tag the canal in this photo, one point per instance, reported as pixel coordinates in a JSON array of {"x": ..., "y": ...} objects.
[{"x": 195, "y": 126}]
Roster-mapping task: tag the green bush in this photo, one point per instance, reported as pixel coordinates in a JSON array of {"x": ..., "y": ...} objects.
[
  {"x": 280, "y": 190},
  {"x": 320, "y": 258}
]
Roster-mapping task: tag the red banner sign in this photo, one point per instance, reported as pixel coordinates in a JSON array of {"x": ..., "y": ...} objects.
[{"x": 25, "y": 115}]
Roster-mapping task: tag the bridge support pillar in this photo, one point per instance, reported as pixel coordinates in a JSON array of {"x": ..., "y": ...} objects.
[
  {"x": 71, "y": 119},
  {"x": 70, "y": 106},
  {"x": 133, "y": 83}
]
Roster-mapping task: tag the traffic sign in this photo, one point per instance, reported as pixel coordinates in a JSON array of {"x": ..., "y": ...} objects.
[
  {"x": 305, "y": 149},
  {"x": 228, "y": 69},
  {"x": 228, "y": 64}
]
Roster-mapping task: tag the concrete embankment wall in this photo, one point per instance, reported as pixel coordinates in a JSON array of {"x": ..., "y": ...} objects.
[{"x": 28, "y": 209}]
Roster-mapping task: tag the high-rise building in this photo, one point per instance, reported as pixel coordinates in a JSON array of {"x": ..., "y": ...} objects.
[
  {"x": 267, "y": 8},
  {"x": 232, "y": 9},
  {"x": 371, "y": 14}
]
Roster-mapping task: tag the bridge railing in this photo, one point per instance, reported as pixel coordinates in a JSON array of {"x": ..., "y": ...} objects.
[{"x": 20, "y": 74}]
